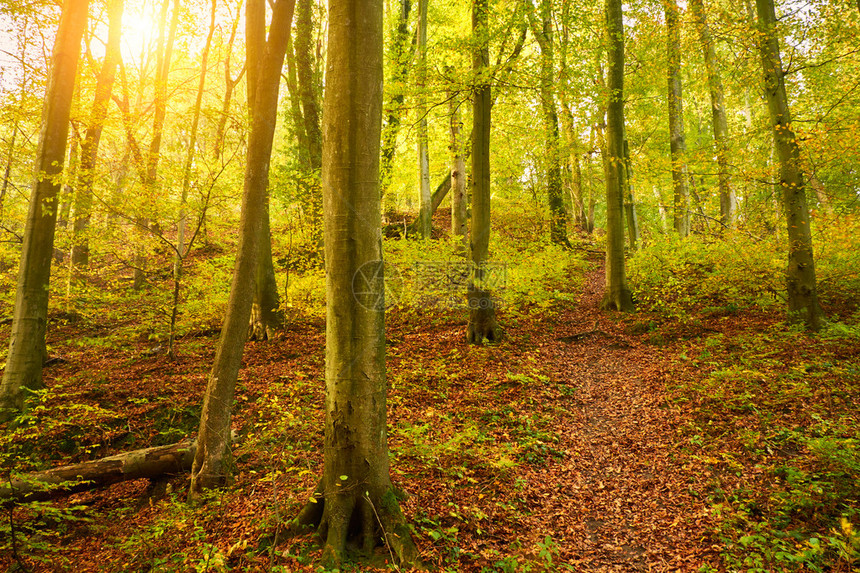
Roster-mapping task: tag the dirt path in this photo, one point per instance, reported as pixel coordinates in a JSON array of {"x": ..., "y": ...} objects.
[{"x": 627, "y": 502}]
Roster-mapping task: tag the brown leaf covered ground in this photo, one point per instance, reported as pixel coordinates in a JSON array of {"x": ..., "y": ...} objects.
[{"x": 558, "y": 449}]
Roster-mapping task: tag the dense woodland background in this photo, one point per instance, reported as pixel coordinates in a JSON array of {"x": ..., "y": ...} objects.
[{"x": 713, "y": 428}]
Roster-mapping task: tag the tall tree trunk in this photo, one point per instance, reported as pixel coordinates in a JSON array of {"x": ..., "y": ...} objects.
[
  {"x": 7, "y": 171},
  {"x": 309, "y": 89},
  {"x": 264, "y": 318},
  {"x": 580, "y": 218},
  {"x": 800, "y": 276},
  {"x": 27, "y": 349},
  {"x": 80, "y": 256},
  {"x": 213, "y": 437},
  {"x": 181, "y": 249},
  {"x": 229, "y": 87},
  {"x": 617, "y": 295},
  {"x": 355, "y": 503},
  {"x": 629, "y": 204},
  {"x": 542, "y": 31},
  {"x": 574, "y": 148},
  {"x": 728, "y": 202},
  {"x": 677, "y": 142},
  {"x": 72, "y": 170},
  {"x": 482, "y": 306},
  {"x": 164, "y": 55},
  {"x": 459, "y": 201},
  {"x": 424, "y": 215},
  {"x": 394, "y": 108}
]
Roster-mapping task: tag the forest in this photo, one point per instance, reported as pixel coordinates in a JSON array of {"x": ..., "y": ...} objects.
[{"x": 490, "y": 286}]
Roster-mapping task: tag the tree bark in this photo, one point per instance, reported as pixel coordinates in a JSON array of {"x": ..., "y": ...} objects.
[
  {"x": 213, "y": 436},
  {"x": 80, "y": 254},
  {"x": 7, "y": 171},
  {"x": 71, "y": 174},
  {"x": 424, "y": 209},
  {"x": 677, "y": 142},
  {"x": 543, "y": 33},
  {"x": 264, "y": 318},
  {"x": 181, "y": 249},
  {"x": 482, "y": 306},
  {"x": 801, "y": 284},
  {"x": 229, "y": 87},
  {"x": 148, "y": 463},
  {"x": 617, "y": 294},
  {"x": 309, "y": 89},
  {"x": 459, "y": 202},
  {"x": 355, "y": 502},
  {"x": 27, "y": 349},
  {"x": 632, "y": 216},
  {"x": 164, "y": 55},
  {"x": 728, "y": 201},
  {"x": 400, "y": 71},
  {"x": 435, "y": 200}
]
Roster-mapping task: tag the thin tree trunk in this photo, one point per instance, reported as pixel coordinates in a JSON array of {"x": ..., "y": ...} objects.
[
  {"x": 27, "y": 350},
  {"x": 424, "y": 215},
  {"x": 577, "y": 202},
  {"x": 298, "y": 118},
  {"x": 542, "y": 31},
  {"x": 264, "y": 318},
  {"x": 229, "y": 87},
  {"x": 459, "y": 202},
  {"x": 435, "y": 200},
  {"x": 400, "y": 71},
  {"x": 72, "y": 169},
  {"x": 661, "y": 209},
  {"x": 802, "y": 289},
  {"x": 309, "y": 90},
  {"x": 80, "y": 255},
  {"x": 181, "y": 249},
  {"x": 355, "y": 503},
  {"x": 677, "y": 142},
  {"x": 7, "y": 171},
  {"x": 482, "y": 306},
  {"x": 629, "y": 204},
  {"x": 728, "y": 202},
  {"x": 151, "y": 184},
  {"x": 617, "y": 295},
  {"x": 569, "y": 125},
  {"x": 214, "y": 433}
]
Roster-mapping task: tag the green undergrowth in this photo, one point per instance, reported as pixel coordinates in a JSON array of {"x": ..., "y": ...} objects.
[
  {"x": 432, "y": 276},
  {"x": 771, "y": 411},
  {"x": 775, "y": 427},
  {"x": 679, "y": 279}
]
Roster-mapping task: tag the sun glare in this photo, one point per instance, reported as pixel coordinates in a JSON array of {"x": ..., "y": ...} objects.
[{"x": 139, "y": 29}]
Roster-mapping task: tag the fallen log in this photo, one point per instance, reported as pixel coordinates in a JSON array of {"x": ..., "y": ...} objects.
[{"x": 147, "y": 463}]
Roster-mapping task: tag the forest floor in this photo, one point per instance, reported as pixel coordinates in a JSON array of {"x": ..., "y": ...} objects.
[{"x": 562, "y": 448}]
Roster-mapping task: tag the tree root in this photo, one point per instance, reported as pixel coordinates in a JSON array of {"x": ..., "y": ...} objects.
[
  {"x": 482, "y": 318},
  {"x": 351, "y": 523}
]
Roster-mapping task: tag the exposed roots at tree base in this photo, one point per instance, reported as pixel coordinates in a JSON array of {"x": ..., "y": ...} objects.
[
  {"x": 621, "y": 301},
  {"x": 350, "y": 523},
  {"x": 482, "y": 318},
  {"x": 263, "y": 325}
]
